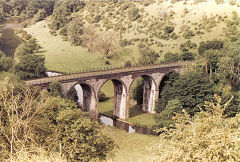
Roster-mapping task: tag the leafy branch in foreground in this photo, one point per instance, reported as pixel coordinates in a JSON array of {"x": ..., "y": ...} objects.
[{"x": 208, "y": 136}]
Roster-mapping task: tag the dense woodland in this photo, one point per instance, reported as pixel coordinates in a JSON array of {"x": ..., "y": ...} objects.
[{"x": 195, "y": 111}]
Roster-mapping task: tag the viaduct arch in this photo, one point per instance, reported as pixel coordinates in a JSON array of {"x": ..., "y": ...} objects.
[{"x": 122, "y": 78}]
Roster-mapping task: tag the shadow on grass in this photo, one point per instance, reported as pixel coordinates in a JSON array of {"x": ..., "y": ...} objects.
[{"x": 135, "y": 111}]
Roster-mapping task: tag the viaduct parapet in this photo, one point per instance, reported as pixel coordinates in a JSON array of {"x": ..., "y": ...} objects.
[{"x": 122, "y": 79}]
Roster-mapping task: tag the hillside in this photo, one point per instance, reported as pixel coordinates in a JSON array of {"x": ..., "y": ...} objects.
[{"x": 162, "y": 26}]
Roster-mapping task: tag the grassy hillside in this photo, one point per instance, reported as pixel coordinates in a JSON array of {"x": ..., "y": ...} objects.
[
  {"x": 163, "y": 26},
  {"x": 188, "y": 23}
]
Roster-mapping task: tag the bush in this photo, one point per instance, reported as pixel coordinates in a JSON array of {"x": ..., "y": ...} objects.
[
  {"x": 188, "y": 34},
  {"x": 55, "y": 89},
  {"x": 171, "y": 57},
  {"x": 133, "y": 14},
  {"x": 127, "y": 64},
  {"x": 148, "y": 56},
  {"x": 169, "y": 29},
  {"x": 187, "y": 56},
  {"x": 102, "y": 97}
]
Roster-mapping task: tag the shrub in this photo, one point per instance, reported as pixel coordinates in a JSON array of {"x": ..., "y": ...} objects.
[
  {"x": 127, "y": 64},
  {"x": 168, "y": 29},
  {"x": 188, "y": 34},
  {"x": 171, "y": 57},
  {"x": 125, "y": 42},
  {"x": 55, "y": 89},
  {"x": 133, "y": 14},
  {"x": 187, "y": 56},
  {"x": 102, "y": 97}
]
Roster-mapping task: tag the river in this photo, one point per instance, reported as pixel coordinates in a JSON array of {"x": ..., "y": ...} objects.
[{"x": 9, "y": 41}]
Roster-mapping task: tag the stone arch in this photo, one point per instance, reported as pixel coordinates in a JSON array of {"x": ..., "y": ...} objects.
[
  {"x": 89, "y": 103},
  {"x": 149, "y": 92},
  {"x": 120, "y": 98},
  {"x": 167, "y": 73}
]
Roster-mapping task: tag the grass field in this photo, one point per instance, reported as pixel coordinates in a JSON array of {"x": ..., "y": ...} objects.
[
  {"x": 132, "y": 147},
  {"x": 62, "y": 56}
]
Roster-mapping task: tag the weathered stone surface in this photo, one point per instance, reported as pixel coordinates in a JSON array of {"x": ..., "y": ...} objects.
[{"x": 66, "y": 87}]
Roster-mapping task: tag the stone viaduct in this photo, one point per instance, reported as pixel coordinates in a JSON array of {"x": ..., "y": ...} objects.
[{"x": 122, "y": 79}]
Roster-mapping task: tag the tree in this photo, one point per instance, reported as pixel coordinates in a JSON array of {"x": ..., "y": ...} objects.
[
  {"x": 31, "y": 66},
  {"x": 214, "y": 45},
  {"x": 171, "y": 57},
  {"x": 133, "y": 13},
  {"x": 201, "y": 137},
  {"x": 107, "y": 42},
  {"x": 148, "y": 56},
  {"x": 5, "y": 62},
  {"x": 164, "y": 118},
  {"x": 75, "y": 31},
  {"x": 55, "y": 89},
  {"x": 27, "y": 48},
  {"x": 164, "y": 93},
  {"x": 192, "y": 90},
  {"x": 29, "y": 119},
  {"x": 72, "y": 132},
  {"x": 89, "y": 37},
  {"x": 17, "y": 117},
  {"x": 40, "y": 15}
]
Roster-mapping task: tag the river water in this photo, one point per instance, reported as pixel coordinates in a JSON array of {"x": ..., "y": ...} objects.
[{"x": 9, "y": 41}]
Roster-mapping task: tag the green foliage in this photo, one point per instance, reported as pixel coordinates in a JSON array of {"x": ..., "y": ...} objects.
[
  {"x": 55, "y": 124},
  {"x": 102, "y": 97},
  {"x": 137, "y": 92},
  {"x": 75, "y": 31},
  {"x": 125, "y": 42},
  {"x": 188, "y": 34},
  {"x": 5, "y": 62},
  {"x": 30, "y": 66},
  {"x": 187, "y": 46},
  {"x": 41, "y": 14},
  {"x": 169, "y": 29},
  {"x": 55, "y": 89},
  {"x": 82, "y": 145},
  {"x": 133, "y": 13},
  {"x": 214, "y": 44},
  {"x": 192, "y": 90},
  {"x": 164, "y": 93},
  {"x": 187, "y": 56},
  {"x": 148, "y": 56},
  {"x": 164, "y": 118},
  {"x": 201, "y": 137},
  {"x": 26, "y": 48},
  {"x": 127, "y": 64},
  {"x": 171, "y": 57},
  {"x": 62, "y": 11}
]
